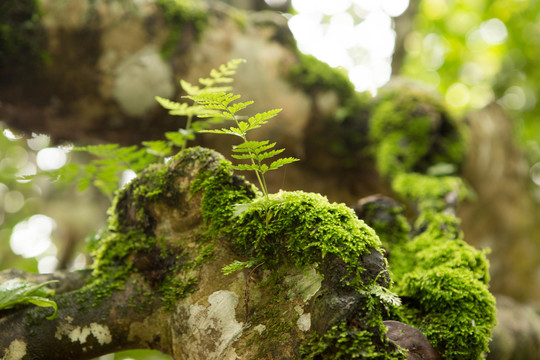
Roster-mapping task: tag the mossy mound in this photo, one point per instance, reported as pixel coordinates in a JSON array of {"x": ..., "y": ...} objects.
[{"x": 410, "y": 131}]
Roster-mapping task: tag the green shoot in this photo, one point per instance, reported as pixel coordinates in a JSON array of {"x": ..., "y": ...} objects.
[
  {"x": 210, "y": 85},
  {"x": 254, "y": 152}
]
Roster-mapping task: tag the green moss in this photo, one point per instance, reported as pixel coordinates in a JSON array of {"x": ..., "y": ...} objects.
[
  {"x": 429, "y": 192},
  {"x": 296, "y": 227},
  {"x": 410, "y": 131},
  {"x": 312, "y": 74},
  {"x": 299, "y": 229},
  {"x": 129, "y": 244},
  {"x": 182, "y": 15},
  {"x": 21, "y": 36},
  {"x": 346, "y": 342},
  {"x": 442, "y": 280},
  {"x": 389, "y": 223}
]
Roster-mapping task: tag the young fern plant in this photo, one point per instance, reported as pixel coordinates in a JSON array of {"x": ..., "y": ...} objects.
[
  {"x": 256, "y": 153},
  {"x": 215, "y": 83}
]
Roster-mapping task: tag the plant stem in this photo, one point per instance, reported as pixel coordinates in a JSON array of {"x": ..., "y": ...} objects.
[
  {"x": 260, "y": 176},
  {"x": 188, "y": 126}
]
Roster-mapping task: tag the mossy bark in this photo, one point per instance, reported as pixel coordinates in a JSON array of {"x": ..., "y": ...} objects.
[{"x": 157, "y": 279}]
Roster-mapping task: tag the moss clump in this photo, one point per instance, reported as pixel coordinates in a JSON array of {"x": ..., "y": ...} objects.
[
  {"x": 296, "y": 227},
  {"x": 442, "y": 280},
  {"x": 302, "y": 229},
  {"x": 430, "y": 192},
  {"x": 182, "y": 15},
  {"x": 312, "y": 74},
  {"x": 410, "y": 131},
  {"x": 443, "y": 284},
  {"x": 129, "y": 245},
  {"x": 345, "y": 342}
]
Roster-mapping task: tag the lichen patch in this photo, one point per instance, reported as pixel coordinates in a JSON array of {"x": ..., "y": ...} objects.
[
  {"x": 213, "y": 328},
  {"x": 304, "y": 322},
  {"x": 80, "y": 334},
  {"x": 16, "y": 350}
]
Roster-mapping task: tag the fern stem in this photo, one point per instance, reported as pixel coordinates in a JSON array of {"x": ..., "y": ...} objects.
[
  {"x": 188, "y": 126},
  {"x": 260, "y": 176}
]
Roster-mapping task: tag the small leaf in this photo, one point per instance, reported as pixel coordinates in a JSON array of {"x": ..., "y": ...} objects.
[
  {"x": 246, "y": 167},
  {"x": 18, "y": 291},
  {"x": 250, "y": 145},
  {"x": 169, "y": 104},
  {"x": 283, "y": 161},
  {"x": 266, "y": 155},
  {"x": 188, "y": 88},
  {"x": 243, "y": 156},
  {"x": 238, "y": 265},
  {"x": 158, "y": 148},
  {"x": 239, "y": 106},
  {"x": 242, "y": 125}
]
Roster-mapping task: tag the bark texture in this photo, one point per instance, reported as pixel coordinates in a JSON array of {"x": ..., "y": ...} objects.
[{"x": 157, "y": 282}]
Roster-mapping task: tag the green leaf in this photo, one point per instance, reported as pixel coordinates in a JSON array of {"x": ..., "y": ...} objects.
[
  {"x": 250, "y": 145},
  {"x": 245, "y": 167},
  {"x": 284, "y": 161},
  {"x": 238, "y": 265},
  {"x": 239, "y": 106},
  {"x": 44, "y": 302},
  {"x": 266, "y": 155},
  {"x": 261, "y": 118},
  {"x": 231, "y": 131},
  {"x": 243, "y": 126},
  {"x": 188, "y": 88},
  {"x": 243, "y": 156},
  {"x": 169, "y": 104},
  {"x": 158, "y": 148},
  {"x": 179, "y": 138},
  {"x": 21, "y": 292}
]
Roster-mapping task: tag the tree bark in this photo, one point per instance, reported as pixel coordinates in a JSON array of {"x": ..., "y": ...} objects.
[{"x": 157, "y": 282}]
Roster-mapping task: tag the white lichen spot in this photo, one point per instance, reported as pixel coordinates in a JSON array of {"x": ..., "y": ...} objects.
[
  {"x": 304, "y": 285},
  {"x": 80, "y": 334},
  {"x": 299, "y": 309},
  {"x": 304, "y": 322},
  {"x": 15, "y": 351},
  {"x": 101, "y": 333},
  {"x": 260, "y": 328},
  {"x": 213, "y": 329}
]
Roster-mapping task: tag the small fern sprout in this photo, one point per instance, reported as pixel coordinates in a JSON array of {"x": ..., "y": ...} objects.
[
  {"x": 213, "y": 84},
  {"x": 255, "y": 152}
]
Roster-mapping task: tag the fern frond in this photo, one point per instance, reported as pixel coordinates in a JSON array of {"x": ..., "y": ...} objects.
[
  {"x": 233, "y": 109},
  {"x": 158, "y": 148},
  {"x": 169, "y": 104},
  {"x": 246, "y": 156},
  {"x": 250, "y": 145},
  {"x": 262, "y": 118},
  {"x": 230, "y": 131},
  {"x": 268, "y": 154},
  {"x": 283, "y": 161},
  {"x": 245, "y": 167}
]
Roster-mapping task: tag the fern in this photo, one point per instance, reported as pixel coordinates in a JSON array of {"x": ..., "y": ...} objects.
[
  {"x": 213, "y": 103},
  {"x": 210, "y": 85},
  {"x": 254, "y": 152},
  {"x": 103, "y": 172}
]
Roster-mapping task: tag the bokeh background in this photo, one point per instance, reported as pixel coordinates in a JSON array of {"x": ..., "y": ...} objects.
[{"x": 474, "y": 52}]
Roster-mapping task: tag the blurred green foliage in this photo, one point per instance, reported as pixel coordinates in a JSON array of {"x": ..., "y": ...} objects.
[
  {"x": 18, "y": 199},
  {"x": 478, "y": 51}
]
